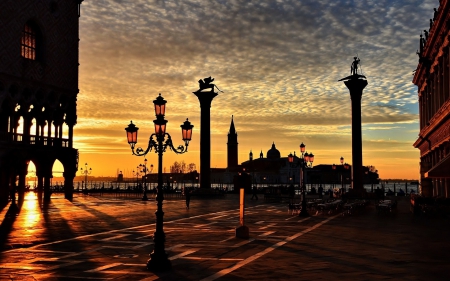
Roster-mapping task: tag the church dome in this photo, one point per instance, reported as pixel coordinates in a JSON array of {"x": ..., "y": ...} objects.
[{"x": 273, "y": 153}]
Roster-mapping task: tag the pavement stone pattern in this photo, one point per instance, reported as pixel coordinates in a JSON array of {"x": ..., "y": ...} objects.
[{"x": 105, "y": 238}]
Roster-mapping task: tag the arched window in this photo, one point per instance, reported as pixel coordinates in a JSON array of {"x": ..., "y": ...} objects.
[{"x": 30, "y": 41}]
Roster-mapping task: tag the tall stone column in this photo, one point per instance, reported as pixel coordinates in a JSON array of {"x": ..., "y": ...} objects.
[
  {"x": 205, "y": 98},
  {"x": 356, "y": 83}
]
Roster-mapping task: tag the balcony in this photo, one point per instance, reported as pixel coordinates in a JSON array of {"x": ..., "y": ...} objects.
[{"x": 21, "y": 139}]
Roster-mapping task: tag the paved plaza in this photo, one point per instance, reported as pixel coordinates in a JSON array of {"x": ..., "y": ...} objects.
[{"x": 106, "y": 238}]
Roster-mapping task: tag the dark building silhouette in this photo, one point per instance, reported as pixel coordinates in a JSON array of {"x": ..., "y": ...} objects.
[
  {"x": 38, "y": 92},
  {"x": 232, "y": 146},
  {"x": 432, "y": 78}
]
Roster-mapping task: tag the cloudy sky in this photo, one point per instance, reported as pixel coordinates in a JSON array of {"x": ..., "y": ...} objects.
[{"x": 278, "y": 64}]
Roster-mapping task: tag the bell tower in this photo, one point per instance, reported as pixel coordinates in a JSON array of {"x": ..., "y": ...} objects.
[{"x": 232, "y": 146}]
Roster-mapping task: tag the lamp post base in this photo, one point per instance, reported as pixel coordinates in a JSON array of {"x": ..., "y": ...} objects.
[
  {"x": 158, "y": 262},
  {"x": 303, "y": 213},
  {"x": 145, "y": 198}
]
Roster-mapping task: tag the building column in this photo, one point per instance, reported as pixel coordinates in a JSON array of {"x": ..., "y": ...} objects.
[
  {"x": 40, "y": 184},
  {"x": 49, "y": 132},
  {"x": 70, "y": 170},
  {"x": 56, "y": 129},
  {"x": 22, "y": 181},
  {"x": 47, "y": 190},
  {"x": 42, "y": 134}
]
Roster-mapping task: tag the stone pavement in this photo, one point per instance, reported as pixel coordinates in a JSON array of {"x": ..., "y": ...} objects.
[{"x": 105, "y": 238}]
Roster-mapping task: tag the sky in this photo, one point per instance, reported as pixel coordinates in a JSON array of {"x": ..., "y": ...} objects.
[{"x": 278, "y": 64}]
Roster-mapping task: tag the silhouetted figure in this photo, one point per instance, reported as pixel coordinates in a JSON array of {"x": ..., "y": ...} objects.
[
  {"x": 435, "y": 14},
  {"x": 320, "y": 190},
  {"x": 354, "y": 67},
  {"x": 431, "y": 23},
  {"x": 254, "y": 193},
  {"x": 187, "y": 193},
  {"x": 426, "y": 34}
]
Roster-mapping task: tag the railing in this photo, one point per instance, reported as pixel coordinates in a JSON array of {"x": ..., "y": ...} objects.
[{"x": 33, "y": 140}]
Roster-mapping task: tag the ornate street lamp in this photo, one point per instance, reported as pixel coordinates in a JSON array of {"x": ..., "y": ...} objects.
[
  {"x": 159, "y": 141},
  {"x": 306, "y": 161},
  {"x": 86, "y": 172}
]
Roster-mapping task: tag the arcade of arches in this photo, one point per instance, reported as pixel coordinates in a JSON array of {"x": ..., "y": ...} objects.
[{"x": 31, "y": 129}]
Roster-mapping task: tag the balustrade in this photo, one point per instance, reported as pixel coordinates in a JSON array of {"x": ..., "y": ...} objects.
[{"x": 33, "y": 140}]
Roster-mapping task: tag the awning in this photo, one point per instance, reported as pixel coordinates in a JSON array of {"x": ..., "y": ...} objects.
[{"x": 440, "y": 170}]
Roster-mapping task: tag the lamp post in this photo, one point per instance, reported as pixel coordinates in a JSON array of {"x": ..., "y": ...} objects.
[
  {"x": 306, "y": 161},
  {"x": 159, "y": 141},
  {"x": 346, "y": 167},
  {"x": 143, "y": 169},
  {"x": 86, "y": 172},
  {"x": 137, "y": 173},
  {"x": 342, "y": 172}
]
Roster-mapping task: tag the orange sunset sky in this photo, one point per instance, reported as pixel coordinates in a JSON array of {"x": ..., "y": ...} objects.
[{"x": 278, "y": 63}]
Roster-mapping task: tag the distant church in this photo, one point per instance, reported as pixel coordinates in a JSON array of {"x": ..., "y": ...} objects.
[
  {"x": 276, "y": 170},
  {"x": 273, "y": 169},
  {"x": 38, "y": 92}
]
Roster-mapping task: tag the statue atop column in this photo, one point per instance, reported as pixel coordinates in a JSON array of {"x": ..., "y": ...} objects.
[
  {"x": 354, "y": 67},
  {"x": 206, "y": 83},
  {"x": 354, "y": 70}
]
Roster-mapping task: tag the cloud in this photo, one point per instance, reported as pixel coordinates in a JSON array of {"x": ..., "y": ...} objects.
[{"x": 277, "y": 62}]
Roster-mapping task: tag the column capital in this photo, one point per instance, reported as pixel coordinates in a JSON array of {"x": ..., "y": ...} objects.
[{"x": 205, "y": 98}]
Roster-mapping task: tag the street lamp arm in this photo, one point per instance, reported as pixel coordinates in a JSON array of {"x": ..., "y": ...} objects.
[
  {"x": 179, "y": 150},
  {"x": 153, "y": 145}
]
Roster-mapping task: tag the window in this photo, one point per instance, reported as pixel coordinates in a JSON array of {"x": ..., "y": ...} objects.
[{"x": 28, "y": 42}]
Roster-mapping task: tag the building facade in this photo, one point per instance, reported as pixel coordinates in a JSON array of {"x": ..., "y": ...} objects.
[
  {"x": 432, "y": 78},
  {"x": 38, "y": 92}
]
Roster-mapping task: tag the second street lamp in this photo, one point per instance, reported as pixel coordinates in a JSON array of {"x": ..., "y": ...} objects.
[
  {"x": 144, "y": 170},
  {"x": 137, "y": 173},
  {"x": 159, "y": 141},
  {"x": 306, "y": 160},
  {"x": 86, "y": 172}
]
